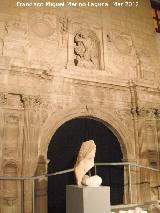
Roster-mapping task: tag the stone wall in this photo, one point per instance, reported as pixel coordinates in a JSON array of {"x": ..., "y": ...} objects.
[{"x": 58, "y": 64}]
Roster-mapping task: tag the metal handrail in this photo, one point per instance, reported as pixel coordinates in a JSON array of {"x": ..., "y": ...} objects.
[
  {"x": 71, "y": 170},
  {"x": 36, "y": 177},
  {"x": 33, "y": 178},
  {"x": 127, "y": 163}
]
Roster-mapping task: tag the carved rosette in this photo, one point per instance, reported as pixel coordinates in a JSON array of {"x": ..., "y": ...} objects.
[
  {"x": 31, "y": 102},
  {"x": 42, "y": 25},
  {"x": 123, "y": 43}
]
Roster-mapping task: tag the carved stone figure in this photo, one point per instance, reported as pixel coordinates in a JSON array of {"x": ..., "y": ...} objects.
[
  {"x": 85, "y": 162},
  {"x": 86, "y": 50}
]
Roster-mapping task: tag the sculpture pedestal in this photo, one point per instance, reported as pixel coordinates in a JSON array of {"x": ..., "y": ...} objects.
[{"x": 87, "y": 199}]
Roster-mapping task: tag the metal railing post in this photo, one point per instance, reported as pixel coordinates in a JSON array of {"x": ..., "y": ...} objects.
[
  {"x": 22, "y": 195},
  {"x": 33, "y": 196},
  {"x": 95, "y": 169},
  {"x": 130, "y": 182}
]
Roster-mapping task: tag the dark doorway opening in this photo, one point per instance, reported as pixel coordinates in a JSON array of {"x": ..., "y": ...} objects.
[{"x": 62, "y": 153}]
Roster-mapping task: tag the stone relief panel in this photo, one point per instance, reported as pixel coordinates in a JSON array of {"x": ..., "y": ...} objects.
[
  {"x": 85, "y": 92},
  {"x": 10, "y": 191},
  {"x": 120, "y": 55},
  {"x": 148, "y": 143},
  {"x": 16, "y": 25},
  {"x": 18, "y": 52},
  {"x": 85, "y": 43},
  {"x": 47, "y": 40},
  {"x": 31, "y": 130},
  {"x": 12, "y": 135},
  {"x": 15, "y": 39},
  {"x": 47, "y": 34},
  {"x": 42, "y": 25},
  {"x": 147, "y": 65},
  {"x": 86, "y": 50},
  {"x": 4, "y": 60},
  {"x": 149, "y": 156}
]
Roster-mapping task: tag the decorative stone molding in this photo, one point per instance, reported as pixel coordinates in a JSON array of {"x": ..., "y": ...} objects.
[
  {"x": 11, "y": 100},
  {"x": 143, "y": 112},
  {"x": 10, "y": 186},
  {"x": 47, "y": 74},
  {"x": 63, "y": 24},
  {"x": 3, "y": 98},
  {"x": 124, "y": 116},
  {"x": 42, "y": 28},
  {"x": 31, "y": 101},
  {"x": 123, "y": 43},
  {"x": 1, "y": 46},
  {"x": 12, "y": 118},
  {"x": 63, "y": 29},
  {"x": 120, "y": 53},
  {"x": 157, "y": 113},
  {"x": 42, "y": 25}
]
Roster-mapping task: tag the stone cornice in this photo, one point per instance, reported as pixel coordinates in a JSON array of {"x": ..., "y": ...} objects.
[{"x": 102, "y": 77}]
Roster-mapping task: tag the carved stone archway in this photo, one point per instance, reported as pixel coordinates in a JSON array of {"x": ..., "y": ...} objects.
[
  {"x": 112, "y": 122},
  {"x": 97, "y": 113}
]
